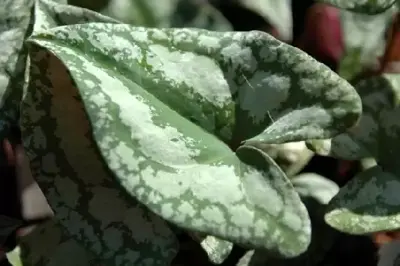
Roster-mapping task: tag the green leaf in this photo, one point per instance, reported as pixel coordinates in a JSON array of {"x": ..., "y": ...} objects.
[
  {"x": 74, "y": 180},
  {"x": 370, "y": 7},
  {"x": 160, "y": 248},
  {"x": 319, "y": 188},
  {"x": 316, "y": 191},
  {"x": 376, "y": 133},
  {"x": 278, "y": 13},
  {"x": 168, "y": 13},
  {"x": 368, "y": 203},
  {"x": 291, "y": 157},
  {"x": 364, "y": 40},
  {"x": 217, "y": 249},
  {"x": 15, "y": 17},
  {"x": 49, "y": 14},
  {"x": 49, "y": 245},
  {"x": 142, "y": 98}
]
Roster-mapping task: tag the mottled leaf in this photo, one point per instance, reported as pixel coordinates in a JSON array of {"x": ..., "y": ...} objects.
[
  {"x": 217, "y": 249},
  {"x": 179, "y": 170},
  {"x": 364, "y": 40},
  {"x": 160, "y": 248},
  {"x": 376, "y": 133},
  {"x": 316, "y": 191},
  {"x": 368, "y": 203},
  {"x": 278, "y": 13},
  {"x": 15, "y": 17},
  {"x": 77, "y": 185},
  {"x": 168, "y": 13},
  {"x": 49, "y": 14},
  {"x": 370, "y": 7},
  {"x": 49, "y": 245}
]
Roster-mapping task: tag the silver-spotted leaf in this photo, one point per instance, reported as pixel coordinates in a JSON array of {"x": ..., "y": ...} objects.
[
  {"x": 86, "y": 200},
  {"x": 15, "y": 18},
  {"x": 316, "y": 191},
  {"x": 238, "y": 82},
  {"x": 368, "y": 203},
  {"x": 375, "y": 135},
  {"x": 370, "y": 7},
  {"x": 278, "y": 13},
  {"x": 49, "y": 14},
  {"x": 147, "y": 99},
  {"x": 217, "y": 249},
  {"x": 364, "y": 40},
  {"x": 50, "y": 245}
]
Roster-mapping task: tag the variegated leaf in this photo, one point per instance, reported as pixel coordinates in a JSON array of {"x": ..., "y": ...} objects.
[
  {"x": 291, "y": 157},
  {"x": 316, "y": 191},
  {"x": 157, "y": 152},
  {"x": 168, "y": 13},
  {"x": 368, "y": 203},
  {"x": 364, "y": 40},
  {"x": 49, "y": 14},
  {"x": 376, "y": 133},
  {"x": 50, "y": 245},
  {"x": 87, "y": 202},
  {"x": 370, "y": 7},
  {"x": 162, "y": 247},
  {"x": 278, "y": 13},
  {"x": 15, "y": 16},
  {"x": 217, "y": 249}
]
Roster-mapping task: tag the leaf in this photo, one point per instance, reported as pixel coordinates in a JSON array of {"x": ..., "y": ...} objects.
[
  {"x": 311, "y": 185},
  {"x": 368, "y": 203},
  {"x": 291, "y": 157},
  {"x": 14, "y": 257},
  {"x": 168, "y": 13},
  {"x": 49, "y": 14},
  {"x": 376, "y": 133},
  {"x": 278, "y": 13},
  {"x": 218, "y": 250},
  {"x": 371, "y": 7},
  {"x": 49, "y": 245},
  {"x": 8, "y": 225},
  {"x": 14, "y": 26},
  {"x": 177, "y": 169},
  {"x": 364, "y": 39},
  {"x": 128, "y": 218},
  {"x": 74, "y": 180},
  {"x": 316, "y": 191}
]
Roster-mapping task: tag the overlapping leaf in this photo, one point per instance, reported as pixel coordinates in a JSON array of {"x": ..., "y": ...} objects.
[
  {"x": 375, "y": 133},
  {"x": 161, "y": 244},
  {"x": 15, "y": 17},
  {"x": 154, "y": 99},
  {"x": 370, "y": 7},
  {"x": 364, "y": 39},
  {"x": 368, "y": 202},
  {"x": 50, "y": 245},
  {"x": 316, "y": 191},
  {"x": 180, "y": 160}
]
